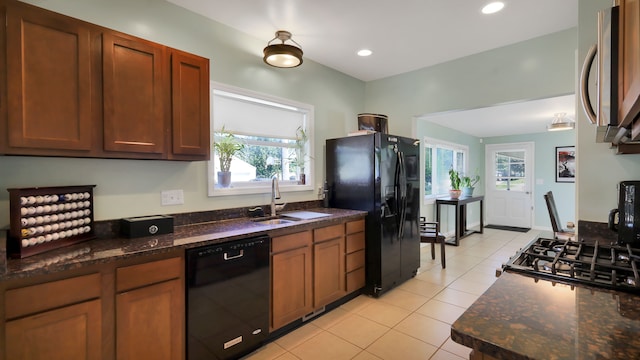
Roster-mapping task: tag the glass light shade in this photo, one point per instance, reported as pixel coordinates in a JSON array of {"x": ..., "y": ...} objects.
[
  {"x": 282, "y": 55},
  {"x": 561, "y": 126}
]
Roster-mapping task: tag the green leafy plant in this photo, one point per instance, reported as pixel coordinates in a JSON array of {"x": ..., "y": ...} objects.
[
  {"x": 455, "y": 180},
  {"x": 226, "y": 145},
  {"x": 470, "y": 182},
  {"x": 300, "y": 157}
]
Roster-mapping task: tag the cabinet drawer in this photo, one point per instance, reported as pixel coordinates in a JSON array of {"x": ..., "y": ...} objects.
[
  {"x": 134, "y": 276},
  {"x": 41, "y": 297},
  {"x": 355, "y": 242},
  {"x": 355, "y": 226},
  {"x": 328, "y": 233},
  {"x": 355, "y": 280},
  {"x": 355, "y": 260},
  {"x": 289, "y": 242}
]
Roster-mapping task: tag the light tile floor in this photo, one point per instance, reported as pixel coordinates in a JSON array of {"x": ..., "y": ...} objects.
[{"x": 413, "y": 321}]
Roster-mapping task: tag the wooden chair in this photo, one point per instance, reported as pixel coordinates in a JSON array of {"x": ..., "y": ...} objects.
[{"x": 430, "y": 233}]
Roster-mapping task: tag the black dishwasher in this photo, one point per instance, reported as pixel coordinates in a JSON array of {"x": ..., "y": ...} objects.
[{"x": 227, "y": 298}]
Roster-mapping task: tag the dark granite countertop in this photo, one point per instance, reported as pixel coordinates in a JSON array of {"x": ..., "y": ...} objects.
[
  {"x": 185, "y": 236},
  {"x": 520, "y": 317}
]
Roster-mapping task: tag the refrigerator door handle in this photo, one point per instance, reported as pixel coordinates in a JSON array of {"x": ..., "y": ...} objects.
[{"x": 401, "y": 186}]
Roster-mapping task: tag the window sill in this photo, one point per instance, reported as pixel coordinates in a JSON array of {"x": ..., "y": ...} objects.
[{"x": 244, "y": 190}]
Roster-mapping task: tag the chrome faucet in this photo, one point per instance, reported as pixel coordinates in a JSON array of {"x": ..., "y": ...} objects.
[{"x": 275, "y": 195}]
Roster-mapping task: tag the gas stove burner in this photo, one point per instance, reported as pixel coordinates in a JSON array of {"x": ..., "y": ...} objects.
[
  {"x": 626, "y": 258},
  {"x": 548, "y": 265},
  {"x": 601, "y": 265},
  {"x": 539, "y": 249}
]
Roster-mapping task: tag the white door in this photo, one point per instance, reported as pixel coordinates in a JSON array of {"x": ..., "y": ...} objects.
[{"x": 509, "y": 184}]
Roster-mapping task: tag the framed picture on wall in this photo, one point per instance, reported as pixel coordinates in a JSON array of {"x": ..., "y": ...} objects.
[{"x": 565, "y": 164}]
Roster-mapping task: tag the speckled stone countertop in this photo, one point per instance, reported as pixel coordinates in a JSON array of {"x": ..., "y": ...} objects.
[
  {"x": 520, "y": 317},
  {"x": 185, "y": 236}
]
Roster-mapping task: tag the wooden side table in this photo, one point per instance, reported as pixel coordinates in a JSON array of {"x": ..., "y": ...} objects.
[{"x": 460, "y": 204}]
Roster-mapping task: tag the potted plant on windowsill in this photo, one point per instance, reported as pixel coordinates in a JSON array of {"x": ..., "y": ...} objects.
[
  {"x": 455, "y": 180},
  {"x": 300, "y": 158},
  {"x": 468, "y": 184},
  {"x": 226, "y": 146}
]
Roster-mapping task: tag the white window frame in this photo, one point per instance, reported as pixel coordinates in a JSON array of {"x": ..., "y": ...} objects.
[
  {"x": 436, "y": 143},
  {"x": 261, "y": 187}
]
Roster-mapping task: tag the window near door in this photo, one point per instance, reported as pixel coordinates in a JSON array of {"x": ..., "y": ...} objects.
[
  {"x": 439, "y": 157},
  {"x": 510, "y": 170},
  {"x": 270, "y": 130}
]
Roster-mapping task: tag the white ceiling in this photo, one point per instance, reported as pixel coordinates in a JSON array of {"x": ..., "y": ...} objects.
[
  {"x": 404, "y": 35},
  {"x": 525, "y": 117}
]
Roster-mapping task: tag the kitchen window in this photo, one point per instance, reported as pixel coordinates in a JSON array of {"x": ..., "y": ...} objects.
[
  {"x": 439, "y": 157},
  {"x": 277, "y": 139}
]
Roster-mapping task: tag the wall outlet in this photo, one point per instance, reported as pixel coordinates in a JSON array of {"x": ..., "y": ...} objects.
[{"x": 172, "y": 197}]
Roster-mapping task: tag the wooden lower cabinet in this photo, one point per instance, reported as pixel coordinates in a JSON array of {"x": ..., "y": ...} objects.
[
  {"x": 71, "y": 332},
  {"x": 130, "y": 309},
  {"x": 355, "y": 245},
  {"x": 312, "y": 269},
  {"x": 150, "y": 316},
  {"x": 59, "y": 319},
  {"x": 291, "y": 278},
  {"x": 328, "y": 266},
  {"x": 150, "y": 322}
]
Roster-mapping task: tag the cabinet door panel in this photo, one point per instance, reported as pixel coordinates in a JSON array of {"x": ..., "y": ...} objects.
[
  {"x": 49, "y": 77},
  {"x": 190, "y": 101},
  {"x": 134, "y": 79},
  {"x": 72, "y": 332},
  {"x": 329, "y": 272},
  {"x": 150, "y": 322},
  {"x": 291, "y": 284},
  {"x": 629, "y": 65}
]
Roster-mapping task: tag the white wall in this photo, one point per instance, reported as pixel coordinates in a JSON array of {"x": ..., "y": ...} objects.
[
  {"x": 534, "y": 69},
  {"x": 132, "y": 187}
]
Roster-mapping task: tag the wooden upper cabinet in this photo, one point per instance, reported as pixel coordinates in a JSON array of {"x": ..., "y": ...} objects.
[
  {"x": 134, "y": 77},
  {"x": 72, "y": 88},
  {"x": 190, "y": 104},
  {"x": 629, "y": 66},
  {"x": 48, "y": 81}
]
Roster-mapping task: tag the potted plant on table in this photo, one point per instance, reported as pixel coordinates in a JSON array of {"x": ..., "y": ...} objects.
[
  {"x": 468, "y": 184},
  {"x": 300, "y": 158},
  {"x": 455, "y": 180},
  {"x": 226, "y": 146}
]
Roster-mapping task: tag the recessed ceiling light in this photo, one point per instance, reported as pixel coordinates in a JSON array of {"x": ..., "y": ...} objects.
[
  {"x": 365, "y": 52},
  {"x": 492, "y": 7}
]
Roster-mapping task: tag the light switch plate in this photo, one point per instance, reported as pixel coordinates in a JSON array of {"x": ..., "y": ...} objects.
[{"x": 172, "y": 197}]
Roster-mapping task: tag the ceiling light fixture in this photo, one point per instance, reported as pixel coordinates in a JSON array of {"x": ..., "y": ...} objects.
[
  {"x": 282, "y": 55},
  {"x": 493, "y": 7},
  {"x": 365, "y": 52},
  {"x": 560, "y": 123}
]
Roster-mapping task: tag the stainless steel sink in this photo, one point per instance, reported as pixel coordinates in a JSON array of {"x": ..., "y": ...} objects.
[
  {"x": 271, "y": 220},
  {"x": 274, "y": 221}
]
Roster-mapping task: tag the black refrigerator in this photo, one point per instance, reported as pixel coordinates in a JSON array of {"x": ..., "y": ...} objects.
[{"x": 379, "y": 173}]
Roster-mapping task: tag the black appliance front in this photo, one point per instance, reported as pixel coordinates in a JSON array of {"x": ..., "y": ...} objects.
[
  {"x": 629, "y": 213},
  {"x": 227, "y": 298},
  {"x": 378, "y": 173}
]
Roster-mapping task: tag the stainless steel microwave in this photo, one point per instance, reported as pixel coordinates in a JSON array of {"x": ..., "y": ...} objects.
[{"x": 605, "y": 115}]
